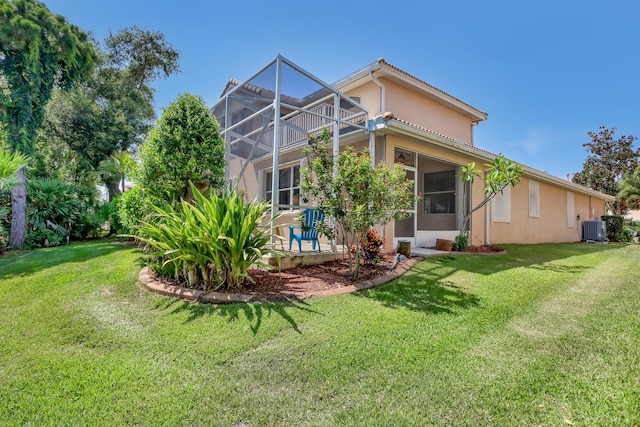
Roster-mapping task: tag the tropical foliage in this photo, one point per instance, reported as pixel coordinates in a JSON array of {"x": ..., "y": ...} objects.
[
  {"x": 500, "y": 174},
  {"x": 629, "y": 187},
  {"x": 208, "y": 243},
  {"x": 53, "y": 209},
  {"x": 353, "y": 193},
  {"x": 38, "y": 50},
  {"x": 10, "y": 163}
]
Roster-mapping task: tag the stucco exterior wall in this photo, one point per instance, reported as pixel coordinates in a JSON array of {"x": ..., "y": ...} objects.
[
  {"x": 422, "y": 111},
  {"x": 369, "y": 94},
  {"x": 551, "y": 226}
]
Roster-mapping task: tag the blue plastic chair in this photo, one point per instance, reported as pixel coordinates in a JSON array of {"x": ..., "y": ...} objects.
[{"x": 308, "y": 231}]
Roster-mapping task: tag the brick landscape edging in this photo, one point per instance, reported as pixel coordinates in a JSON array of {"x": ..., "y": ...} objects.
[{"x": 166, "y": 287}]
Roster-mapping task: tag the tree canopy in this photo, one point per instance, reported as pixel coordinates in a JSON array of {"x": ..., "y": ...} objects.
[
  {"x": 608, "y": 161},
  {"x": 38, "y": 50},
  {"x": 113, "y": 112},
  {"x": 144, "y": 54},
  {"x": 184, "y": 147}
]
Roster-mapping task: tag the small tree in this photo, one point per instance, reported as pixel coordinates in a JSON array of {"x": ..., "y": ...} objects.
[
  {"x": 500, "y": 174},
  {"x": 354, "y": 195},
  {"x": 116, "y": 169},
  {"x": 184, "y": 147}
]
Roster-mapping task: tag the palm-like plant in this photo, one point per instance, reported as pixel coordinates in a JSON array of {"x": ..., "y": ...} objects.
[
  {"x": 629, "y": 188},
  {"x": 116, "y": 168},
  {"x": 10, "y": 163},
  {"x": 51, "y": 205}
]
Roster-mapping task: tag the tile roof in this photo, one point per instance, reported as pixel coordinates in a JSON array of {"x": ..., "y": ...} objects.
[
  {"x": 444, "y": 136},
  {"x": 530, "y": 171},
  {"x": 382, "y": 61}
]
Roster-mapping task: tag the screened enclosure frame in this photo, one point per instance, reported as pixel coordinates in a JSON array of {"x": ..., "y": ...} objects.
[{"x": 276, "y": 110}]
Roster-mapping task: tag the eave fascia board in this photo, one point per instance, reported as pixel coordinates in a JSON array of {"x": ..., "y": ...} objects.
[
  {"x": 394, "y": 126},
  {"x": 348, "y": 82}
]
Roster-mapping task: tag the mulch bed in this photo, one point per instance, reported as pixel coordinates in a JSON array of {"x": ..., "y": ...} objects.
[
  {"x": 485, "y": 249},
  {"x": 298, "y": 283},
  {"x": 305, "y": 281}
]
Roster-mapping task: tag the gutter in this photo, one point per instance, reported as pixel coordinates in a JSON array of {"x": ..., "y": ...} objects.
[{"x": 387, "y": 123}]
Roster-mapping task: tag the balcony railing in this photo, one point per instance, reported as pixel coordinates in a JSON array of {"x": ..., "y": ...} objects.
[{"x": 297, "y": 126}]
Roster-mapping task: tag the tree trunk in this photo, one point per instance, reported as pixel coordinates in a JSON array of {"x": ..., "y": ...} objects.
[
  {"x": 113, "y": 187},
  {"x": 19, "y": 211}
]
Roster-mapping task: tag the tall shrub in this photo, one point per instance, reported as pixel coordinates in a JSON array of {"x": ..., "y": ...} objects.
[
  {"x": 131, "y": 207},
  {"x": 184, "y": 147},
  {"x": 614, "y": 225}
]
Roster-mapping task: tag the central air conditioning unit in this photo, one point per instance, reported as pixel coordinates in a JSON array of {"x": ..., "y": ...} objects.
[{"x": 594, "y": 231}]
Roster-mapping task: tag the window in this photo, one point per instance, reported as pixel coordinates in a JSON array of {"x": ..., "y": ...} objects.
[
  {"x": 439, "y": 192},
  {"x": 570, "y": 212},
  {"x": 288, "y": 186},
  {"x": 501, "y": 206},
  {"x": 534, "y": 199}
]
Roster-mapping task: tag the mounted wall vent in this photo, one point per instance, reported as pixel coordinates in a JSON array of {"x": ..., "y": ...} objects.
[{"x": 594, "y": 231}]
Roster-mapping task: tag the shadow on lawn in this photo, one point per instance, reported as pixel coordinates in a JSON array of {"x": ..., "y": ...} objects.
[
  {"x": 423, "y": 289},
  {"x": 253, "y": 313},
  {"x": 27, "y": 262}
]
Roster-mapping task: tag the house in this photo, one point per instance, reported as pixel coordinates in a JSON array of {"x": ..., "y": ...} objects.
[{"x": 402, "y": 119}]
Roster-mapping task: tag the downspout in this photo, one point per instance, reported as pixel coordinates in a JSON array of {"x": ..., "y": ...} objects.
[
  {"x": 382, "y": 91},
  {"x": 473, "y": 124}
]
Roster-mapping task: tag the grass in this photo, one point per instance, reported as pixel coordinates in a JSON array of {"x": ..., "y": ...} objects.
[{"x": 546, "y": 335}]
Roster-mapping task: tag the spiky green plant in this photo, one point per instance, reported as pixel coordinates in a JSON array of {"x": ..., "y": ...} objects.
[
  {"x": 210, "y": 243},
  {"x": 10, "y": 163}
]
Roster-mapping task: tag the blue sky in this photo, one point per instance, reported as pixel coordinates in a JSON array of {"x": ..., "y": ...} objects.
[{"x": 547, "y": 72}]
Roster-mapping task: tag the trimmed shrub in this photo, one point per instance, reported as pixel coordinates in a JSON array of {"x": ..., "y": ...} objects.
[{"x": 461, "y": 242}]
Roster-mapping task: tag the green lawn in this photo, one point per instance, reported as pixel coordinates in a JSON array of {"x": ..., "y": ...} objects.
[{"x": 546, "y": 335}]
